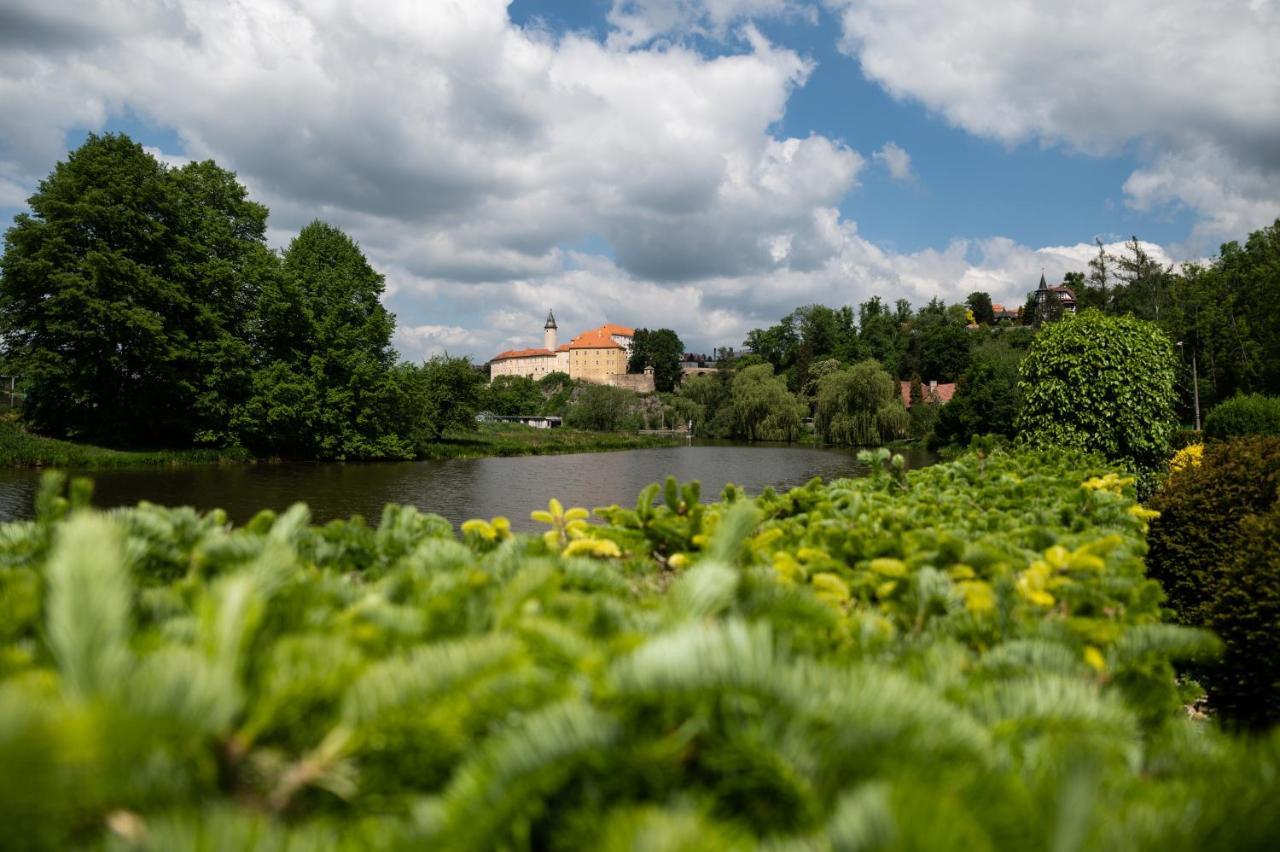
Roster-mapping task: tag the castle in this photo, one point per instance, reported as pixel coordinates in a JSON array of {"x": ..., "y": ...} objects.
[{"x": 599, "y": 355}]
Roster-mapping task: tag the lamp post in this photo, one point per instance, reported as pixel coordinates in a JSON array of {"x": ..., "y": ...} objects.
[{"x": 1195, "y": 384}]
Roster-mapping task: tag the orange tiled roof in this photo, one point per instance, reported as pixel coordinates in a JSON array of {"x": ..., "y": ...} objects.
[
  {"x": 944, "y": 392},
  {"x": 523, "y": 353},
  {"x": 600, "y": 338}
]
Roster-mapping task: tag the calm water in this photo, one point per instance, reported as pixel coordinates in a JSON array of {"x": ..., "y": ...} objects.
[{"x": 458, "y": 489}]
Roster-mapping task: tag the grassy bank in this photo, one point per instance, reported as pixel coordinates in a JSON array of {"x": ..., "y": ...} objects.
[
  {"x": 513, "y": 439},
  {"x": 20, "y": 448}
]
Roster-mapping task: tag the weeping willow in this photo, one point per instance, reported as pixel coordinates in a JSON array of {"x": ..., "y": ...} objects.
[
  {"x": 967, "y": 656},
  {"x": 860, "y": 406}
]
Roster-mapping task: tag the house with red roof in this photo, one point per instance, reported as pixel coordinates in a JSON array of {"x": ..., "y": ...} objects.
[{"x": 934, "y": 393}]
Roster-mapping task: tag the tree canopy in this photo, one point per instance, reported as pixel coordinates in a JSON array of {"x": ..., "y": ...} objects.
[
  {"x": 660, "y": 349},
  {"x": 140, "y": 305},
  {"x": 125, "y": 296},
  {"x": 860, "y": 406}
]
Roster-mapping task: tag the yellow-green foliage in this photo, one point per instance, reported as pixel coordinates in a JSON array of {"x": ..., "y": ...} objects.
[{"x": 967, "y": 656}]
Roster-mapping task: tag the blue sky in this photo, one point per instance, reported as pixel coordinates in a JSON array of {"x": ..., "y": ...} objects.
[
  {"x": 967, "y": 186},
  {"x": 705, "y": 165}
]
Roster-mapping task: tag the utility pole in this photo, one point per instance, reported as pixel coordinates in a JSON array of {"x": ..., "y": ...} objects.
[{"x": 1195, "y": 384}]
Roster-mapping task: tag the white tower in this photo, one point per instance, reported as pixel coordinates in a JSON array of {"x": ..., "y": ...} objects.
[{"x": 549, "y": 340}]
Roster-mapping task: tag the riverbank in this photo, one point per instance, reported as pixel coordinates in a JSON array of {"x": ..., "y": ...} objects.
[
  {"x": 20, "y": 448},
  {"x": 513, "y": 439}
]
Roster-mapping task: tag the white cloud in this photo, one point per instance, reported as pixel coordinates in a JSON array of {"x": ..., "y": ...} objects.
[
  {"x": 896, "y": 160},
  {"x": 640, "y": 21},
  {"x": 419, "y": 342},
  {"x": 466, "y": 154},
  {"x": 1196, "y": 87}
]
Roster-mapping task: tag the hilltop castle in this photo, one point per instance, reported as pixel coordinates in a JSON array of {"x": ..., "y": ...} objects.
[{"x": 599, "y": 355}]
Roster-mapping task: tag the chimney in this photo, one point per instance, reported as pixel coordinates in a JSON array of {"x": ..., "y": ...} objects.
[{"x": 933, "y": 385}]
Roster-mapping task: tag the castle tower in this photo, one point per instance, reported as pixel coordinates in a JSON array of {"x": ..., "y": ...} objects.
[{"x": 549, "y": 340}]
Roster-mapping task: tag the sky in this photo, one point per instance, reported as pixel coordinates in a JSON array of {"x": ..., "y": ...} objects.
[{"x": 702, "y": 165}]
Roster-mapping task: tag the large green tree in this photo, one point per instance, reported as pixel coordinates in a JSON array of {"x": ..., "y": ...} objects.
[
  {"x": 512, "y": 396},
  {"x": 980, "y": 304},
  {"x": 986, "y": 398},
  {"x": 324, "y": 386},
  {"x": 125, "y": 295},
  {"x": 661, "y": 349},
  {"x": 440, "y": 395}
]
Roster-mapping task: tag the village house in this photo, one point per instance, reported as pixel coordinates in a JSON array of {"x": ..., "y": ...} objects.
[
  {"x": 933, "y": 393},
  {"x": 1046, "y": 296}
]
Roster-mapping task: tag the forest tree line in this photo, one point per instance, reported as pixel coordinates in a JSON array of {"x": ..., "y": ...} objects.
[{"x": 840, "y": 365}]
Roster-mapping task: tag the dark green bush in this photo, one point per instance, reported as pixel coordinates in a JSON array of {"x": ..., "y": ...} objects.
[
  {"x": 1204, "y": 543},
  {"x": 1242, "y": 415},
  {"x": 1245, "y": 611}
]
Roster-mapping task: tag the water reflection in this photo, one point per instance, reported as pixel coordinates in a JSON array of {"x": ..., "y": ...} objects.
[{"x": 457, "y": 489}]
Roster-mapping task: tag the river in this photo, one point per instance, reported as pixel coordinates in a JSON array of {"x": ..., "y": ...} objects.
[{"x": 458, "y": 489}]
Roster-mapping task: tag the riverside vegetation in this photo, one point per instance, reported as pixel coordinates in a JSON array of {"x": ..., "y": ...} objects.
[
  {"x": 965, "y": 656},
  {"x": 141, "y": 308}
]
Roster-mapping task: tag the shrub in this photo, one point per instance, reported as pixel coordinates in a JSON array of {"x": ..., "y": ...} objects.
[
  {"x": 601, "y": 408},
  {"x": 1245, "y": 611},
  {"x": 964, "y": 656},
  {"x": 1201, "y": 547},
  {"x": 1100, "y": 383},
  {"x": 1252, "y": 414}
]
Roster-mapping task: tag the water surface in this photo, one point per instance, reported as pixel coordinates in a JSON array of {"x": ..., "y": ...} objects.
[{"x": 458, "y": 489}]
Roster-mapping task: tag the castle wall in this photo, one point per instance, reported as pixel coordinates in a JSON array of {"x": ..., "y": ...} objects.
[{"x": 638, "y": 382}]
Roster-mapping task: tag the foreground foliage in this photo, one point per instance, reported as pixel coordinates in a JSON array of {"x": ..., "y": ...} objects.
[{"x": 965, "y": 656}]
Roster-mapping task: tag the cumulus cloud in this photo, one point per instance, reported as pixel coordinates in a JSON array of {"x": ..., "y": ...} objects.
[
  {"x": 896, "y": 160},
  {"x": 1195, "y": 87},
  {"x": 468, "y": 155}
]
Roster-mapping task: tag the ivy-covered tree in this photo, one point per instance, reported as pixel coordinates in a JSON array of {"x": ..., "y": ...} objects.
[{"x": 1095, "y": 382}]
